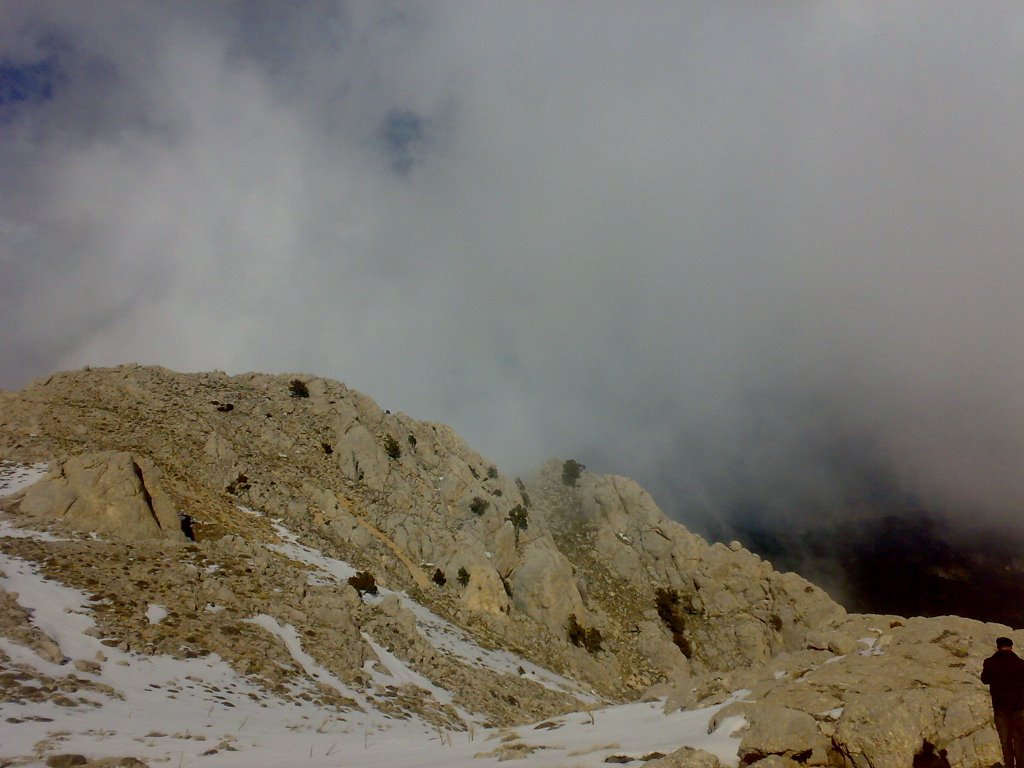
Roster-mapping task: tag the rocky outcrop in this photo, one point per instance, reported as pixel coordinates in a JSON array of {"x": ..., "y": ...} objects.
[
  {"x": 406, "y": 498},
  {"x": 686, "y": 757},
  {"x": 107, "y": 492},
  {"x": 734, "y": 609},
  {"x": 508, "y": 561},
  {"x": 485, "y": 591},
  {"x": 544, "y": 588},
  {"x": 16, "y": 624},
  {"x": 783, "y": 732},
  {"x": 907, "y": 683}
]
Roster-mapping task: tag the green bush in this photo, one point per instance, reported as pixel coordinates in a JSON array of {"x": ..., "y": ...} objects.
[
  {"x": 394, "y": 450},
  {"x": 492, "y": 472},
  {"x": 463, "y": 577},
  {"x": 571, "y": 470},
  {"x": 519, "y": 517},
  {"x": 439, "y": 578},
  {"x": 298, "y": 388},
  {"x": 478, "y": 506}
]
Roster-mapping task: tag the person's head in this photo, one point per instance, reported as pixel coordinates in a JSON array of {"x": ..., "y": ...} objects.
[{"x": 1003, "y": 644}]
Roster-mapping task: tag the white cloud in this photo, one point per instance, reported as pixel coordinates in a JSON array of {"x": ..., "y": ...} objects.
[{"x": 687, "y": 240}]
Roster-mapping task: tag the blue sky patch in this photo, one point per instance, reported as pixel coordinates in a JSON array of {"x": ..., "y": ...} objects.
[
  {"x": 404, "y": 134},
  {"x": 30, "y": 82}
]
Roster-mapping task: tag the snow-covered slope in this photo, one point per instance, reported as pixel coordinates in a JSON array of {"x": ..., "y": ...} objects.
[{"x": 100, "y": 701}]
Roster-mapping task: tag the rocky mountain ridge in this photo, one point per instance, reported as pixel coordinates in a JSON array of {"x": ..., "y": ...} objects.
[{"x": 219, "y": 497}]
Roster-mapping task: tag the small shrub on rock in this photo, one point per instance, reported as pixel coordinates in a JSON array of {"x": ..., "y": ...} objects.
[
  {"x": 581, "y": 637},
  {"x": 394, "y": 450},
  {"x": 463, "y": 577},
  {"x": 519, "y": 519},
  {"x": 492, "y": 472},
  {"x": 364, "y": 583},
  {"x": 478, "y": 506},
  {"x": 522, "y": 492},
  {"x": 439, "y": 578},
  {"x": 298, "y": 388},
  {"x": 666, "y": 600},
  {"x": 576, "y": 631},
  {"x": 571, "y": 471},
  {"x": 239, "y": 485}
]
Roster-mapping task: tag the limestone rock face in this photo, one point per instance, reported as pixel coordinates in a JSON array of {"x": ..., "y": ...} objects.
[
  {"x": 544, "y": 587},
  {"x": 784, "y": 732},
  {"x": 485, "y": 592},
  {"x": 360, "y": 456},
  {"x": 776, "y": 761},
  {"x": 276, "y": 483},
  {"x": 663, "y": 654},
  {"x": 737, "y": 610},
  {"x": 910, "y": 681},
  {"x": 107, "y": 492},
  {"x": 686, "y": 757}
]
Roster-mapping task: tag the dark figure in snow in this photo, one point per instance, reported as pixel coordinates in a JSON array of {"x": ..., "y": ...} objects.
[{"x": 1003, "y": 671}]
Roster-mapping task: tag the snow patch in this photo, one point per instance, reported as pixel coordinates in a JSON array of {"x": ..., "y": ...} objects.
[
  {"x": 199, "y": 711},
  {"x": 156, "y": 613},
  {"x": 16, "y": 477},
  {"x": 443, "y": 635}
]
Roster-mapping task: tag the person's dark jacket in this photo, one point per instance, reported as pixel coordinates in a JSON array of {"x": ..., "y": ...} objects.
[{"x": 1003, "y": 671}]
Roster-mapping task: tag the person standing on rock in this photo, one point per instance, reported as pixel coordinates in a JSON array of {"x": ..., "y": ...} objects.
[{"x": 1003, "y": 672}]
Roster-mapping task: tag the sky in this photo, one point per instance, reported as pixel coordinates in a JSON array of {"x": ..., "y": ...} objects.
[{"x": 766, "y": 258}]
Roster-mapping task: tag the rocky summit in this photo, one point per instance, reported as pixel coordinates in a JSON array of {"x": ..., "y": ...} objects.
[{"x": 203, "y": 545}]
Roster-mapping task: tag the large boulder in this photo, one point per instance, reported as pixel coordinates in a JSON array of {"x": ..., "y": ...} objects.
[
  {"x": 108, "y": 492},
  {"x": 359, "y": 455},
  {"x": 785, "y": 732},
  {"x": 485, "y": 591},
  {"x": 685, "y": 757},
  {"x": 544, "y": 587},
  {"x": 909, "y": 684}
]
